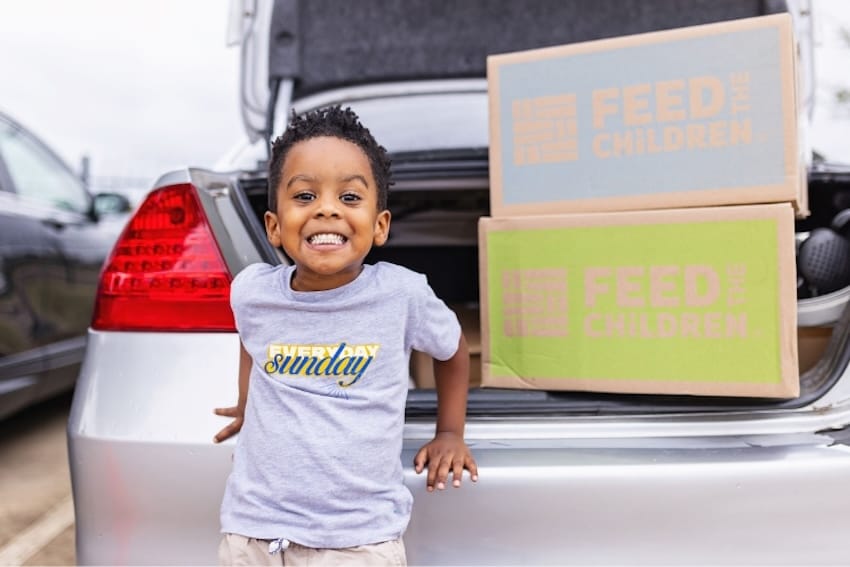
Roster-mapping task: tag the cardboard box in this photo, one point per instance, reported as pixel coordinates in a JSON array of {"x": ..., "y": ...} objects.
[
  {"x": 698, "y": 116},
  {"x": 812, "y": 343},
  {"x": 684, "y": 301},
  {"x": 422, "y": 365}
]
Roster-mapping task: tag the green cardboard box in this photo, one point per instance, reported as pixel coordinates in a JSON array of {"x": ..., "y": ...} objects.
[{"x": 682, "y": 301}]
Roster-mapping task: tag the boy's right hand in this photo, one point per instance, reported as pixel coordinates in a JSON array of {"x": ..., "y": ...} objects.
[{"x": 238, "y": 415}]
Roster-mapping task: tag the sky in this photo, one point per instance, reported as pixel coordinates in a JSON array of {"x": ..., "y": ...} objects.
[
  {"x": 831, "y": 120},
  {"x": 140, "y": 86},
  {"x": 146, "y": 86}
]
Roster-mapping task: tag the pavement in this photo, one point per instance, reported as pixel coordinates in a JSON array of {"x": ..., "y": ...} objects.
[{"x": 36, "y": 517}]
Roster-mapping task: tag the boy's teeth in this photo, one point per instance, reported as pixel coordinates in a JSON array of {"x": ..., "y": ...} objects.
[{"x": 326, "y": 239}]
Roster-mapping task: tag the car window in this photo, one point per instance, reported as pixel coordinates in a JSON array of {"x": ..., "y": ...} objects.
[
  {"x": 38, "y": 175},
  {"x": 415, "y": 122}
]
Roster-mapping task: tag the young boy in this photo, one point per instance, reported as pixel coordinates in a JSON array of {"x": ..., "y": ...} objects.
[{"x": 325, "y": 346}]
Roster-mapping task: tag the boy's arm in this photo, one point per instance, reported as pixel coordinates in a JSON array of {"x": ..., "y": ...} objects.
[
  {"x": 237, "y": 412},
  {"x": 448, "y": 451},
  {"x": 452, "y": 380}
]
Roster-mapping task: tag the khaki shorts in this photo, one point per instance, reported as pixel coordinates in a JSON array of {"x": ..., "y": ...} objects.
[{"x": 240, "y": 550}]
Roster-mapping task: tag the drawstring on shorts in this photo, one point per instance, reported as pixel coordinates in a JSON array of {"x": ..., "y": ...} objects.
[{"x": 279, "y": 544}]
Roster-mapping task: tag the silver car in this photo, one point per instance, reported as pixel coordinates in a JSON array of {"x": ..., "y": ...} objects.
[{"x": 565, "y": 477}]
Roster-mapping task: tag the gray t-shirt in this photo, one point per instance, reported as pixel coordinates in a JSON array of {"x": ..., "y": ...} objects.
[{"x": 318, "y": 460}]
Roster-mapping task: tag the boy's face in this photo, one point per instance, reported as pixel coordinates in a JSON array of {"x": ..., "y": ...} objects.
[{"x": 327, "y": 216}]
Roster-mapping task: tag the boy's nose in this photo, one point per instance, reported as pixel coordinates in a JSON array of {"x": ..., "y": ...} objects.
[{"x": 328, "y": 206}]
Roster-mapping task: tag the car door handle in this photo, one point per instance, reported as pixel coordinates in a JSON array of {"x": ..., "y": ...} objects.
[{"x": 53, "y": 223}]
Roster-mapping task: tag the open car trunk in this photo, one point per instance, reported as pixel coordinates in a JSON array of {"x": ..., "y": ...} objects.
[
  {"x": 439, "y": 195},
  {"x": 436, "y": 203}
]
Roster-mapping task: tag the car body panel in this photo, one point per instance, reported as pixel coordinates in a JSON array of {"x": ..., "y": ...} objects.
[{"x": 626, "y": 490}]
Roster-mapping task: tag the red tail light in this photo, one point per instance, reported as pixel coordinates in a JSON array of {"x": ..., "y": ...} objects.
[{"x": 166, "y": 272}]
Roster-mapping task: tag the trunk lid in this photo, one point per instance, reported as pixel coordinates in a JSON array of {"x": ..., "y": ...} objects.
[{"x": 293, "y": 48}]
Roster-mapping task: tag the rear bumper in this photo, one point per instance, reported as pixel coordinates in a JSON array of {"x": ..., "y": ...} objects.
[
  {"x": 148, "y": 480},
  {"x": 146, "y": 476}
]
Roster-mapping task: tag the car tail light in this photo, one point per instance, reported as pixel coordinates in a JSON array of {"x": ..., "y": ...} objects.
[{"x": 166, "y": 272}]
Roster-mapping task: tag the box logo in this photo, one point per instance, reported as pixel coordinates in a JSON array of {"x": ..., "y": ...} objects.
[
  {"x": 535, "y": 302},
  {"x": 545, "y": 129},
  {"x": 672, "y": 116}
]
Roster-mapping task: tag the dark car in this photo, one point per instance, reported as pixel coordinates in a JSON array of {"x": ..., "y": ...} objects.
[{"x": 54, "y": 236}]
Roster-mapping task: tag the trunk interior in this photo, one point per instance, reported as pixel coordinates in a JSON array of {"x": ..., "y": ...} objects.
[{"x": 434, "y": 231}]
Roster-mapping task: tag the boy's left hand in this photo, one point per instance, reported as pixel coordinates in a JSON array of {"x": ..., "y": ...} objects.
[{"x": 446, "y": 452}]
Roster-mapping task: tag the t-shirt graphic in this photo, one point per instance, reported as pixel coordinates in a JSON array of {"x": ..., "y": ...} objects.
[{"x": 342, "y": 363}]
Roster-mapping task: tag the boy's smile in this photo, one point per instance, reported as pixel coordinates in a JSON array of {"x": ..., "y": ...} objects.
[{"x": 327, "y": 216}]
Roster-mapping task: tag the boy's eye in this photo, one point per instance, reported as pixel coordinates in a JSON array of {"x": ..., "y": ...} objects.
[
  {"x": 304, "y": 196},
  {"x": 350, "y": 197}
]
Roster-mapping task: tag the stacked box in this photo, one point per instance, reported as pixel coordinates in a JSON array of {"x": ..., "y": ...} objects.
[
  {"x": 697, "y": 116},
  {"x": 422, "y": 365},
  {"x": 679, "y": 301},
  {"x": 643, "y": 193}
]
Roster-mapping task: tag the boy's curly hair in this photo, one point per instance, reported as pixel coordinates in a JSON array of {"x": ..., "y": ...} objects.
[{"x": 336, "y": 122}]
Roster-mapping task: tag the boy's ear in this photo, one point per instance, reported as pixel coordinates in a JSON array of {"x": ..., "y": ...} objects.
[
  {"x": 272, "y": 228},
  {"x": 382, "y": 228}
]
